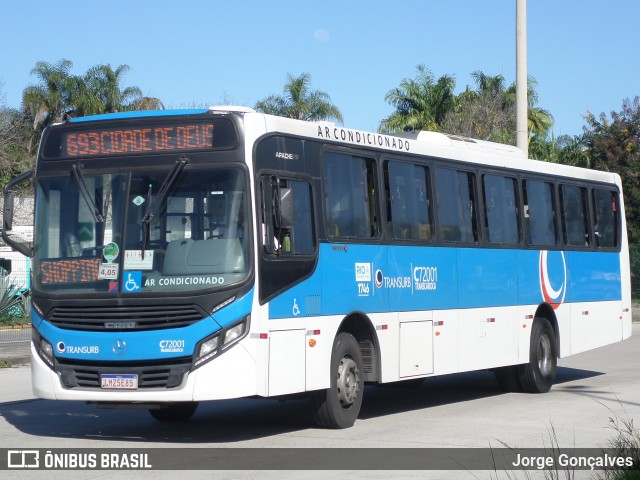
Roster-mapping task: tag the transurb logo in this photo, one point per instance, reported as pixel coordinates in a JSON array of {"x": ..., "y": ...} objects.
[{"x": 553, "y": 286}]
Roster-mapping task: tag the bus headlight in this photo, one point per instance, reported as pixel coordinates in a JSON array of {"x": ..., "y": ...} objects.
[
  {"x": 211, "y": 346},
  {"x": 43, "y": 347},
  {"x": 233, "y": 334},
  {"x": 47, "y": 350}
]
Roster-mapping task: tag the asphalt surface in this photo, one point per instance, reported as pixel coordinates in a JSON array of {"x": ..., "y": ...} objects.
[{"x": 593, "y": 390}]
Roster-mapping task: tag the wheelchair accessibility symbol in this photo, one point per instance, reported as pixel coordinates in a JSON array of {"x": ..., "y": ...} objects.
[
  {"x": 132, "y": 282},
  {"x": 296, "y": 309}
]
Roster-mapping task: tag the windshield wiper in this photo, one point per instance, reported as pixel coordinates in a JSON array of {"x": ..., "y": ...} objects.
[
  {"x": 151, "y": 212},
  {"x": 86, "y": 194}
]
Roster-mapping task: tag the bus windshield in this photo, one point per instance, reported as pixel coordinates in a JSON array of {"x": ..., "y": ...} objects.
[{"x": 180, "y": 229}]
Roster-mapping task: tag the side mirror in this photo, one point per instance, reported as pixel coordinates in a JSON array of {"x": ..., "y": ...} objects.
[{"x": 7, "y": 214}]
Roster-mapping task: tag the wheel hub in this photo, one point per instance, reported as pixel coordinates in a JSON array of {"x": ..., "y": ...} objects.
[
  {"x": 348, "y": 388},
  {"x": 544, "y": 356}
]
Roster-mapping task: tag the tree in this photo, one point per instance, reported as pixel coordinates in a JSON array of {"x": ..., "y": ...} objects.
[
  {"x": 60, "y": 95},
  {"x": 614, "y": 146},
  {"x": 566, "y": 149},
  {"x": 489, "y": 112},
  {"x": 539, "y": 120},
  {"x": 421, "y": 103},
  {"x": 48, "y": 101},
  {"x": 104, "y": 93},
  {"x": 486, "y": 113},
  {"x": 297, "y": 101},
  {"x": 14, "y": 139}
]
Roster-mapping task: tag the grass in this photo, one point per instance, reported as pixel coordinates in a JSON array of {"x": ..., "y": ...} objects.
[
  {"x": 625, "y": 443},
  {"x": 14, "y": 321}
]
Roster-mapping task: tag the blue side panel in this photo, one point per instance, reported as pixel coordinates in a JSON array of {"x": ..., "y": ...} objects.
[
  {"x": 529, "y": 291},
  {"x": 140, "y": 345},
  {"x": 593, "y": 277},
  {"x": 349, "y": 278},
  {"x": 371, "y": 279},
  {"x": 487, "y": 277},
  {"x": 421, "y": 278},
  {"x": 568, "y": 277},
  {"x": 343, "y": 281}
]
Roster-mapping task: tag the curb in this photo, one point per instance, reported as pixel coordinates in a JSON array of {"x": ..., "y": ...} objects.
[{"x": 16, "y": 361}]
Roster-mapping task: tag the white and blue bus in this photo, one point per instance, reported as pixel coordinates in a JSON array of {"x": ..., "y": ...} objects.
[{"x": 186, "y": 256}]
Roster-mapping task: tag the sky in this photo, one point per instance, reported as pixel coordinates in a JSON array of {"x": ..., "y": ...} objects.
[{"x": 194, "y": 53}]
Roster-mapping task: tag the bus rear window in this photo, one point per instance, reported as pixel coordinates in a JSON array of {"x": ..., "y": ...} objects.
[{"x": 606, "y": 218}]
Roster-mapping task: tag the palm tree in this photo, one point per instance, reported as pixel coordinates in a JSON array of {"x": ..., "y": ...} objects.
[
  {"x": 60, "y": 95},
  {"x": 420, "y": 104},
  {"x": 299, "y": 102},
  {"x": 48, "y": 101},
  {"x": 490, "y": 85},
  {"x": 103, "y": 84},
  {"x": 539, "y": 120},
  {"x": 147, "y": 103}
]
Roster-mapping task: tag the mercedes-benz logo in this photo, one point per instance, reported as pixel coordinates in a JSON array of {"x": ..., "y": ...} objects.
[{"x": 119, "y": 347}]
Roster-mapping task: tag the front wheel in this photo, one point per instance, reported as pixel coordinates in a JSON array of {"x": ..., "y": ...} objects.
[
  {"x": 538, "y": 375},
  {"x": 174, "y": 412},
  {"x": 339, "y": 405}
]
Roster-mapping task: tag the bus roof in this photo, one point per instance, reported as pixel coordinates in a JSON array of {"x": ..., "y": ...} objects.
[
  {"x": 137, "y": 114},
  {"x": 422, "y": 142}
]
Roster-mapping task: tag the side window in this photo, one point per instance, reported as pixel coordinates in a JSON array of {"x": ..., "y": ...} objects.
[
  {"x": 501, "y": 212},
  {"x": 539, "y": 213},
  {"x": 287, "y": 217},
  {"x": 409, "y": 199},
  {"x": 455, "y": 205},
  {"x": 606, "y": 218},
  {"x": 574, "y": 215},
  {"x": 349, "y": 196}
]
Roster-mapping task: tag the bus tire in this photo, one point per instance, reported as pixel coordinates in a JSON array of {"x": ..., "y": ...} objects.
[
  {"x": 538, "y": 375},
  {"x": 339, "y": 405},
  {"x": 174, "y": 412},
  {"x": 508, "y": 378}
]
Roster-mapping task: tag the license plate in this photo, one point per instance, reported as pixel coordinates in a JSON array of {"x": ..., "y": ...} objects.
[{"x": 118, "y": 382}]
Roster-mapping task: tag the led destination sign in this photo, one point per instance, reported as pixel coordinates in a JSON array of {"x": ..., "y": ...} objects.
[
  {"x": 143, "y": 138},
  {"x": 138, "y": 140}
]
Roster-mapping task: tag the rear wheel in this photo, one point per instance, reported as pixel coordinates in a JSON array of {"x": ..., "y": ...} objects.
[
  {"x": 538, "y": 375},
  {"x": 339, "y": 405},
  {"x": 174, "y": 412}
]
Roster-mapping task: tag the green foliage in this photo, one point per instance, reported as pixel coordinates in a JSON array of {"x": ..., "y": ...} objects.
[
  {"x": 59, "y": 95},
  {"x": 15, "y": 135},
  {"x": 12, "y": 301},
  {"x": 634, "y": 254},
  {"x": 625, "y": 444},
  {"x": 56, "y": 96},
  {"x": 613, "y": 145},
  {"x": 420, "y": 104},
  {"x": 486, "y": 112},
  {"x": 297, "y": 101}
]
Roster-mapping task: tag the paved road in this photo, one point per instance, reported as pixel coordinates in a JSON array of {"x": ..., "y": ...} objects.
[{"x": 465, "y": 410}]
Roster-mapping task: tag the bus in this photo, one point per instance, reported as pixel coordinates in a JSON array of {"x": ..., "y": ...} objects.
[{"x": 195, "y": 255}]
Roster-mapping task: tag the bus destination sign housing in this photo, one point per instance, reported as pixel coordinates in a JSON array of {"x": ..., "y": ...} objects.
[{"x": 143, "y": 138}]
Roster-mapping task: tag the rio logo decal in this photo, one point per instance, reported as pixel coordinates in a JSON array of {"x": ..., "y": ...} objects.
[{"x": 558, "y": 266}]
